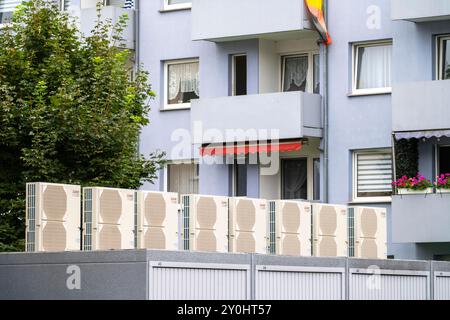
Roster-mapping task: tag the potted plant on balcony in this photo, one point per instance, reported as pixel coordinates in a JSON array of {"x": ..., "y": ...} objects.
[
  {"x": 443, "y": 183},
  {"x": 415, "y": 185}
]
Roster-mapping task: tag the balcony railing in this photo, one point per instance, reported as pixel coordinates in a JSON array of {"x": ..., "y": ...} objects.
[
  {"x": 294, "y": 114},
  {"x": 228, "y": 20}
]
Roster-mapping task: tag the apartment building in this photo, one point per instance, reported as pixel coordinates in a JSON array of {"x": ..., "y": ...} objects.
[{"x": 250, "y": 102}]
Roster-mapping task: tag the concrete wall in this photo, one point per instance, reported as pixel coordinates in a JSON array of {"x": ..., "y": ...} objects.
[
  {"x": 219, "y": 20},
  {"x": 420, "y": 11},
  {"x": 158, "y": 275}
]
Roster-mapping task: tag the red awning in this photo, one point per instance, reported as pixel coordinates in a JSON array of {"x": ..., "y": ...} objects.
[{"x": 221, "y": 150}]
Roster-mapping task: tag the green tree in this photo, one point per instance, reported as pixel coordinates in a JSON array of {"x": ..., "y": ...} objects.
[{"x": 69, "y": 112}]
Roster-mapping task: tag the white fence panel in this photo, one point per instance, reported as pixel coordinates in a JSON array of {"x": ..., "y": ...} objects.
[
  {"x": 442, "y": 285},
  {"x": 202, "y": 281},
  {"x": 373, "y": 284},
  {"x": 299, "y": 283}
]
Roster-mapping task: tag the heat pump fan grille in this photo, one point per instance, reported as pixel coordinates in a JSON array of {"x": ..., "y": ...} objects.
[
  {"x": 109, "y": 237},
  {"x": 54, "y": 237},
  {"x": 31, "y": 213},
  {"x": 291, "y": 218},
  {"x": 110, "y": 206},
  {"x": 245, "y": 242},
  {"x": 369, "y": 249},
  {"x": 206, "y": 241},
  {"x": 55, "y": 203},
  {"x": 291, "y": 245},
  {"x": 369, "y": 223},
  {"x": 87, "y": 243},
  {"x": 328, "y": 220},
  {"x": 245, "y": 215},
  {"x": 206, "y": 213},
  {"x": 155, "y": 209},
  {"x": 328, "y": 247},
  {"x": 155, "y": 239}
]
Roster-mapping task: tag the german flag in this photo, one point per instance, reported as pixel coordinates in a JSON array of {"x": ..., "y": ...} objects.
[{"x": 315, "y": 8}]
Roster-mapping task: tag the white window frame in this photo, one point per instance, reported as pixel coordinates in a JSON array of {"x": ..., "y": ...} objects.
[
  {"x": 310, "y": 77},
  {"x": 355, "y": 67},
  {"x": 374, "y": 199},
  {"x": 180, "y": 6},
  {"x": 180, "y": 106},
  {"x": 3, "y": 24},
  {"x": 439, "y": 55}
]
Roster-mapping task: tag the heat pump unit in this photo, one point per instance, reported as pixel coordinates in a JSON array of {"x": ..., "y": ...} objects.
[
  {"x": 109, "y": 218},
  {"x": 367, "y": 233},
  {"x": 247, "y": 225},
  {"x": 290, "y": 228},
  {"x": 157, "y": 220},
  {"x": 53, "y": 219},
  {"x": 204, "y": 223},
  {"x": 329, "y": 230}
]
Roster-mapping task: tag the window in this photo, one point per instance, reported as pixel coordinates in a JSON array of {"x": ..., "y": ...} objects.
[
  {"x": 443, "y": 160},
  {"x": 7, "y": 8},
  {"x": 372, "y": 68},
  {"x": 177, "y": 4},
  {"x": 294, "y": 182},
  {"x": 181, "y": 83},
  {"x": 239, "y": 75},
  {"x": 372, "y": 175},
  {"x": 183, "y": 178},
  {"x": 239, "y": 179},
  {"x": 301, "y": 73},
  {"x": 444, "y": 58}
]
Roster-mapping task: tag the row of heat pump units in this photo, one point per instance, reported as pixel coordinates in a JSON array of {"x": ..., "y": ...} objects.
[{"x": 118, "y": 219}]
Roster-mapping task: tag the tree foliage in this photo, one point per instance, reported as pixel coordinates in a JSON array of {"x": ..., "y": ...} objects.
[
  {"x": 69, "y": 110},
  {"x": 407, "y": 158}
]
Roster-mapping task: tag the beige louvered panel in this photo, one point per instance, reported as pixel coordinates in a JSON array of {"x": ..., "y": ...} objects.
[
  {"x": 155, "y": 210},
  {"x": 206, "y": 213},
  {"x": 245, "y": 242},
  {"x": 328, "y": 247},
  {"x": 55, "y": 203},
  {"x": 110, "y": 206},
  {"x": 328, "y": 220},
  {"x": 109, "y": 237},
  {"x": 291, "y": 245},
  {"x": 369, "y": 223},
  {"x": 206, "y": 241},
  {"x": 369, "y": 249},
  {"x": 291, "y": 217},
  {"x": 245, "y": 215},
  {"x": 154, "y": 238},
  {"x": 54, "y": 236}
]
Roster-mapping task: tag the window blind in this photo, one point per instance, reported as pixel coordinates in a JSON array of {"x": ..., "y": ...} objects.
[{"x": 374, "y": 174}]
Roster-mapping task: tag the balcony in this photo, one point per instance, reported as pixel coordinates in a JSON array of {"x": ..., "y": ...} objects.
[
  {"x": 230, "y": 20},
  {"x": 88, "y": 19},
  {"x": 295, "y": 114},
  {"x": 421, "y": 106},
  {"x": 420, "y": 219},
  {"x": 420, "y": 10}
]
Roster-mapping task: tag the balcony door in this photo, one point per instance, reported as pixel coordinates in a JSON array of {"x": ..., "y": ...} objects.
[
  {"x": 239, "y": 75},
  {"x": 294, "y": 179}
]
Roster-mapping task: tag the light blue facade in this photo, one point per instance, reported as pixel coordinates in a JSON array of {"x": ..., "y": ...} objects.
[{"x": 356, "y": 122}]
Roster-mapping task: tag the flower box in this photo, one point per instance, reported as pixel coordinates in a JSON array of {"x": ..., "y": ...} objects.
[
  {"x": 404, "y": 191},
  {"x": 442, "y": 190}
]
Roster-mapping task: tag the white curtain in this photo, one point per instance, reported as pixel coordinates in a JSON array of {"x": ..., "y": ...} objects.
[
  {"x": 295, "y": 73},
  {"x": 374, "y": 69},
  {"x": 295, "y": 179},
  {"x": 183, "y": 78},
  {"x": 183, "y": 178}
]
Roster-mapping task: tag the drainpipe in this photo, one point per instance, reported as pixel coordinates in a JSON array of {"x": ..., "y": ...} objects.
[
  {"x": 137, "y": 58},
  {"x": 325, "y": 113}
]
